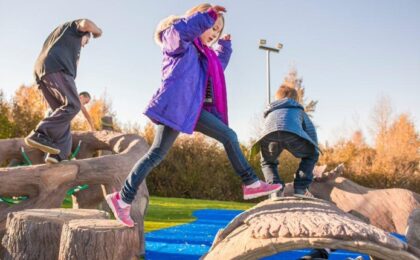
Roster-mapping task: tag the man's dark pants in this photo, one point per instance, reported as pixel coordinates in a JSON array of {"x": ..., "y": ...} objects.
[{"x": 60, "y": 92}]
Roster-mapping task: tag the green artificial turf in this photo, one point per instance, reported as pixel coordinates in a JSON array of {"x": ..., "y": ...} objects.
[{"x": 168, "y": 212}]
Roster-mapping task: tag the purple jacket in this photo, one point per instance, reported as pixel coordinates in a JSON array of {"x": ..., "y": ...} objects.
[{"x": 179, "y": 100}]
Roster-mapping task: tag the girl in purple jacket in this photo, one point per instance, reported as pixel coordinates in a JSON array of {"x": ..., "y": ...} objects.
[{"x": 192, "y": 97}]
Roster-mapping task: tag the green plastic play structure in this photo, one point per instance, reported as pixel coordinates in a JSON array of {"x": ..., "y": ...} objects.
[{"x": 28, "y": 162}]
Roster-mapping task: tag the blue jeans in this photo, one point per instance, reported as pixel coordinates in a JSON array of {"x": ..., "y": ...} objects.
[
  {"x": 271, "y": 147},
  {"x": 165, "y": 136}
]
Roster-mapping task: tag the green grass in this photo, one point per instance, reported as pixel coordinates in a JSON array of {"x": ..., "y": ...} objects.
[{"x": 168, "y": 212}]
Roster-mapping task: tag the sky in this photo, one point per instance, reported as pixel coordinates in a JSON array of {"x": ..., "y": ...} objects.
[{"x": 348, "y": 53}]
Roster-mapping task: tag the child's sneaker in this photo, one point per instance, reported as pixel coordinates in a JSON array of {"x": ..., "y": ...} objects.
[
  {"x": 120, "y": 213},
  {"x": 304, "y": 193},
  {"x": 260, "y": 190},
  {"x": 41, "y": 142}
]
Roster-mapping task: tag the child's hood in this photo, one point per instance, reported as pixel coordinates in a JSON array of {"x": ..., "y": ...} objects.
[
  {"x": 164, "y": 25},
  {"x": 280, "y": 104}
]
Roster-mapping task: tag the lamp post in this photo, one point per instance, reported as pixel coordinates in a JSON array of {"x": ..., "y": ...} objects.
[{"x": 276, "y": 49}]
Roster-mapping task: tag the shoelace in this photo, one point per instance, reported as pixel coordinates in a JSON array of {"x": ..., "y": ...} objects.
[{"x": 121, "y": 211}]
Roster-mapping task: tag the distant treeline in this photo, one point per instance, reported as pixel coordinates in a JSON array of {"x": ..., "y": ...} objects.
[{"x": 197, "y": 167}]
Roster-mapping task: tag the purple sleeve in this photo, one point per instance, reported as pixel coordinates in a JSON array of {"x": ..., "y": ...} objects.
[
  {"x": 223, "y": 50},
  {"x": 182, "y": 33}
]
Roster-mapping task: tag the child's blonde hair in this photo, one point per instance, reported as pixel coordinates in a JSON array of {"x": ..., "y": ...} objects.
[
  {"x": 170, "y": 20},
  {"x": 285, "y": 91}
]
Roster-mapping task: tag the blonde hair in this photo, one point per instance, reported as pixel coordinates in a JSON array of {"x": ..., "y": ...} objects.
[
  {"x": 170, "y": 20},
  {"x": 285, "y": 91}
]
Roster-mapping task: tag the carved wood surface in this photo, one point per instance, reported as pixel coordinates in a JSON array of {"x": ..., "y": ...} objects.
[
  {"x": 292, "y": 223},
  {"x": 35, "y": 233},
  {"x": 46, "y": 185},
  {"x": 98, "y": 239}
]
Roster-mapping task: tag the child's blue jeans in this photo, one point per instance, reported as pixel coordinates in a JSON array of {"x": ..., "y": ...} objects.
[
  {"x": 165, "y": 136},
  {"x": 271, "y": 147}
]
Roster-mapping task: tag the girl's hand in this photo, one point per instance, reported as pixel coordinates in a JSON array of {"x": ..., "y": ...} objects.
[
  {"x": 225, "y": 37},
  {"x": 219, "y": 9}
]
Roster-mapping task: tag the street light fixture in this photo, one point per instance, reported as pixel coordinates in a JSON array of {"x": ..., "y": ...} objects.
[{"x": 262, "y": 46}]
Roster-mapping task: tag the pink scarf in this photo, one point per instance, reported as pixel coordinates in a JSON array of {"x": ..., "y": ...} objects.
[{"x": 215, "y": 71}]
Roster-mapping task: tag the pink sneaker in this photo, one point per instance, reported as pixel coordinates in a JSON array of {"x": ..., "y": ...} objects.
[
  {"x": 122, "y": 214},
  {"x": 262, "y": 190}
]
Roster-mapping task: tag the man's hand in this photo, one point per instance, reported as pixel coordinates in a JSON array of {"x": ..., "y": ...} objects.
[
  {"x": 97, "y": 34},
  {"x": 86, "y": 25},
  {"x": 88, "y": 118}
]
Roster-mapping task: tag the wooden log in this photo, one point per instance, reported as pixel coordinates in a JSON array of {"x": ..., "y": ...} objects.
[
  {"x": 35, "y": 234},
  {"x": 94, "y": 196},
  {"x": 46, "y": 185},
  {"x": 413, "y": 233},
  {"x": 388, "y": 209},
  {"x": 91, "y": 142},
  {"x": 98, "y": 239},
  {"x": 91, "y": 198},
  {"x": 292, "y": 223}
]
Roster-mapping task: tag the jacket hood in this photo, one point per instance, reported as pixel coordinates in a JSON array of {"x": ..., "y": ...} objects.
[
  {"x": 282, "y": 103},
  {"x": 163, "y": 25}
]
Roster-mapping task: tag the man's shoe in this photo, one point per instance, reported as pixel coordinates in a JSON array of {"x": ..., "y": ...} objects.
[
  {"x": 263, "y": 189},
  {"x": 120, "y": 213},
  {"x": 52, "y": 159},
  {"x": 41, "y": 142}
]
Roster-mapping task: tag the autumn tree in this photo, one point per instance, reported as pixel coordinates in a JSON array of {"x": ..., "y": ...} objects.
[
  {"x": 28, "y": 108},
  {"x": 398, "y": 147},
  {"x": 6, "y": 126},
  {"x": 381, "y": 117},
  {"x": 294, "y": 81},
  {"x": 363, "y": 157},
  {"x": 149, "y": 132},
  {"x": 393, "y": 160},
  {"x": 396, "y": 140}
]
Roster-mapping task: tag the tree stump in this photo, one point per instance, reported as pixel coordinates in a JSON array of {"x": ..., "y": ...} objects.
[
  {"x": 98, "y": 239},
  {"x": 35, "y": 234},
  {"x": 45, "y": 186}
]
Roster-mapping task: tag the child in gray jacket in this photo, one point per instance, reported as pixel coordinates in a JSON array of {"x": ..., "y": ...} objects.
[{"x": 288, "y": 127}]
